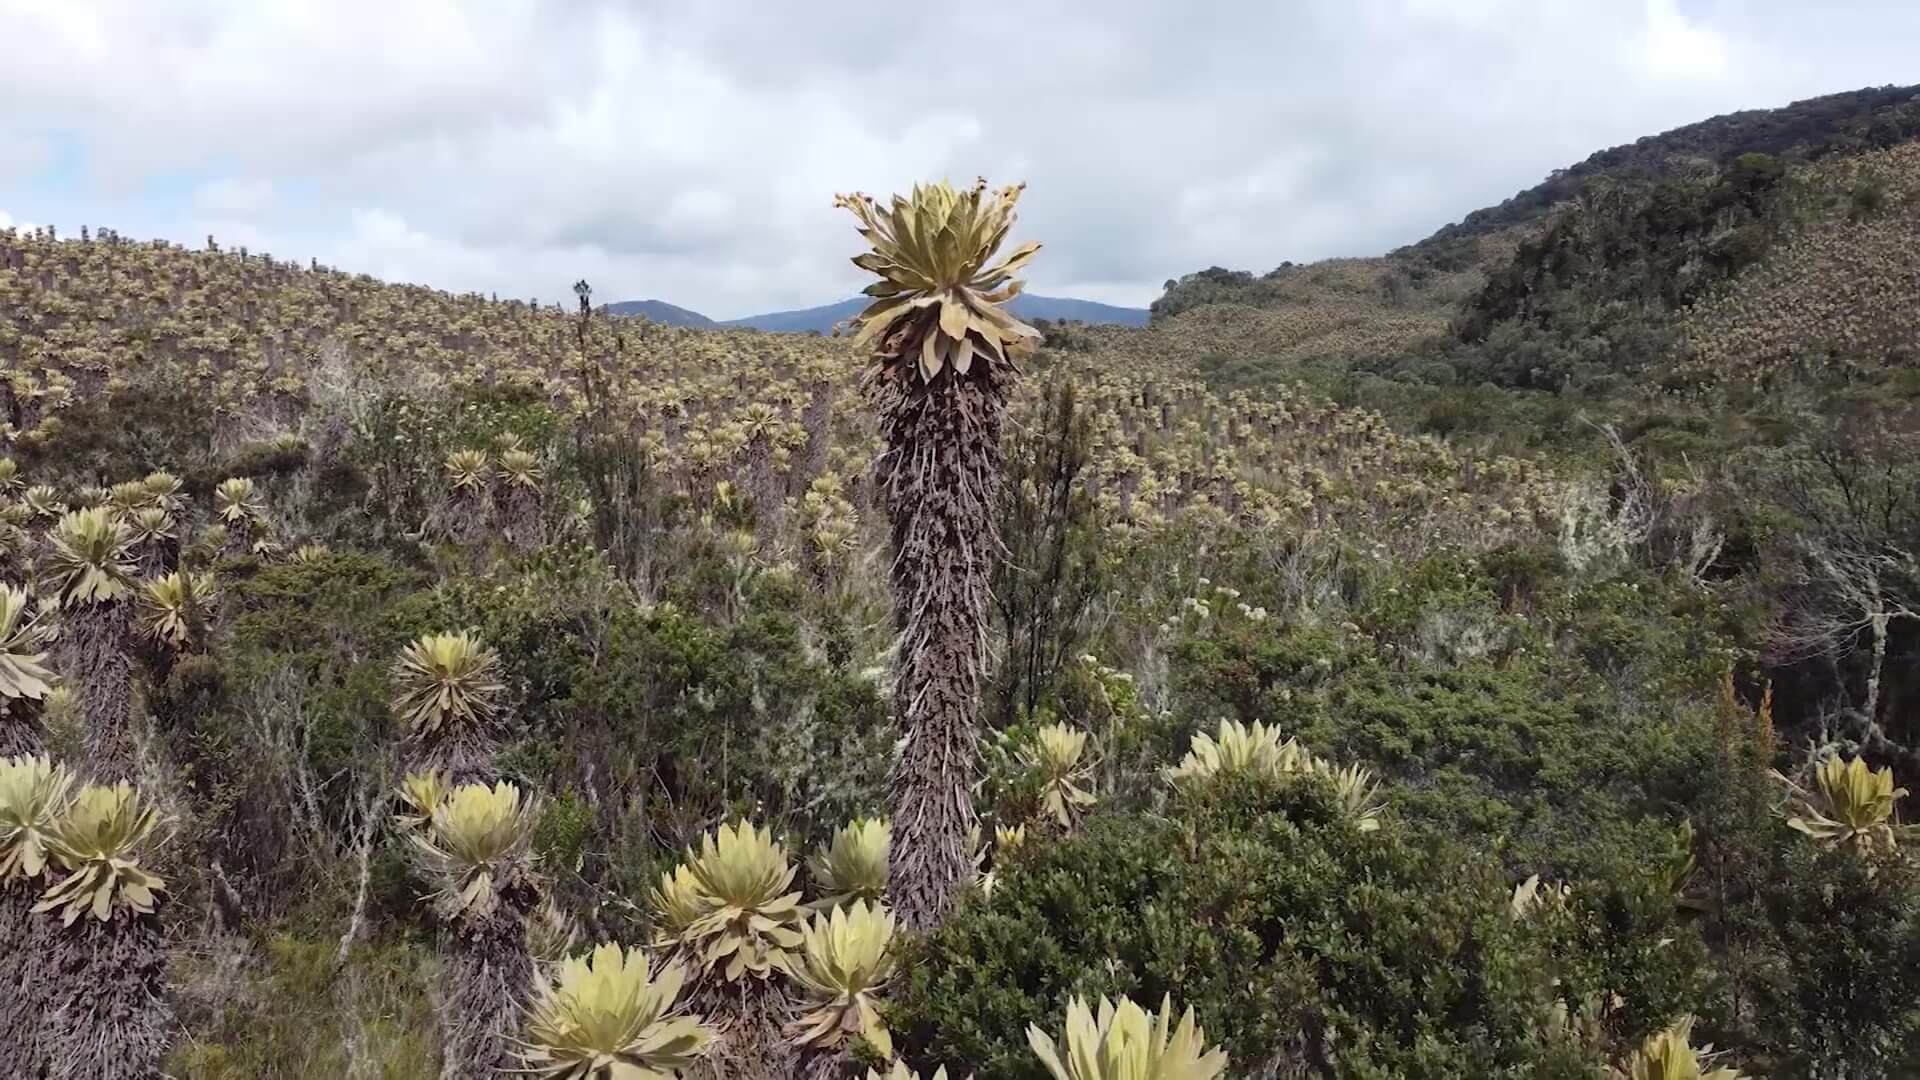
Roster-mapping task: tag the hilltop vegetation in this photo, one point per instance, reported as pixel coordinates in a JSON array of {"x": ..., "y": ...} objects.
[
  {"x": 1592, "y": 277},
  {"x": 1838, "y": 291},
  {"x": 1449, "y": 664},
  {"x": 1835, "y": 125}
]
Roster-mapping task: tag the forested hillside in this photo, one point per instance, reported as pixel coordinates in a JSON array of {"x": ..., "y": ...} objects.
[
  {"x": 1591, "y": 277},
  {"x": 1836, "y": 125},
  {"x": 1499, "y": 659}
]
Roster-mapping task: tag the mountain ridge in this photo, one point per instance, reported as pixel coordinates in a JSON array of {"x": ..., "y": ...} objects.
[
  {"x": 1841, "y": 124},
  {"x": 823, "y": 318},
  {"x": 1613, "y": 249},
  {"x": 1847, "y": 122}
]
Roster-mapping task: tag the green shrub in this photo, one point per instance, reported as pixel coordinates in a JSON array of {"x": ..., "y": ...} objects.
[
  {"x": 266, "y": 460},
  {"x": 269, "y": 1022},
  {"x": 335, "y": 624},
  {"x": 565, "y": 826},
  {"x": 661, "y": 710},
  {"x": 1824, "y": 973},
  {"x": 148, "y": 424},
  {"x": 1550, "y": 753},
  {"x": 1295, "y": 938}
]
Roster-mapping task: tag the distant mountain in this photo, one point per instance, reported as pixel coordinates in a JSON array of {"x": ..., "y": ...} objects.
[
  {"x": 1025, "y": 306},
  {"x": 1065, "y": 309},
  {"x": 662, "y": 312},
  {"x": 823, "y": 318},
  {"x": 820, "y": 318}
]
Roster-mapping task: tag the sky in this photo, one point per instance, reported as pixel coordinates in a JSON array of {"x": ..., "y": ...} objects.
[{"x": 690, "y": 152}]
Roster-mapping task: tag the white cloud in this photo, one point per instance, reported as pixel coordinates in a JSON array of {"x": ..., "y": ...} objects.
[
  {"x": 233, "y": 196},
  {"x": 1672, "y": 46},
  {"x": 22, "y": 155},
  {"x": 691, "y": 152}
]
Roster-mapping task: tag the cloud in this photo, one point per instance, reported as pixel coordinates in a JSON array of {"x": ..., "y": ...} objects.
[
  {"x": 234, "y": 197},
  {"x": 1672, "y": 46},
  {"x": 691, "y": 152},
  {"x": 22, "y": 155}
]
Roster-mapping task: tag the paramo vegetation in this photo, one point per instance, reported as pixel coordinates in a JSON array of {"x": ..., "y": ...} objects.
[{"x": 1496, "y": 660}]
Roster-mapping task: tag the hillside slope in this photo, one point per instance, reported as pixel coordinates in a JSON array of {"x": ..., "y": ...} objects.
[
  {"x": 1842, "y": 290},
  {"x": 1589, "y": 278},
  {"x": 1834, "y": 124}
]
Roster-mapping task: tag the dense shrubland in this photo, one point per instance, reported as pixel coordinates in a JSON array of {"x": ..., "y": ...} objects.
[{"x": 481, "y": 666}]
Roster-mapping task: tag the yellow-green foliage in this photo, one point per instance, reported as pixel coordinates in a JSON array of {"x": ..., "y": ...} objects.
[
  {"x": 444, "y": 680},
  {"x": 853, "y": 865},
  {"x": 1054, "y": 755},
  {"x": 88, "y": 558},
  {"x": 521, "y": 469},
  {"x": 1241, "y": 748},
  {"x": 236, "y": 502},
  {"x": 1008, "y": 840},
  {"x": 97, "y": 841},
  {"x": 844, "y": 961},
  {"x": 1850, "y": 805},
  {"x": 677, "y": 904},
  {"x": 42, "y": 503},
  {"x": 23, "y": 640},
  {"x": 468, "y": 472},
  {"x": 938, "y": 301},
  {"x": 172, "y": 605},
  {"x": 128, "y": 497},
  {"x": 378, "y": 1023},
  {"x": 1124, "y": 1042},
  {"x": 151, "y": 525},
  {"x": 611, "y": 1015},
  {"x": 478, "y": 839},
  {"x": 420, "y": 794},
  {"x": 1356, "y": 789},
  {"x": 1167, "y": 450},
  {"x": 752, "y": 919},
  {"x": 1327, "y": 325},
  {"x": 829, "y": 522},
  {"x": 1667, "y": 1055},
  {"x": 163, "y": 491},
  {"x": 33, "y": 794}
]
